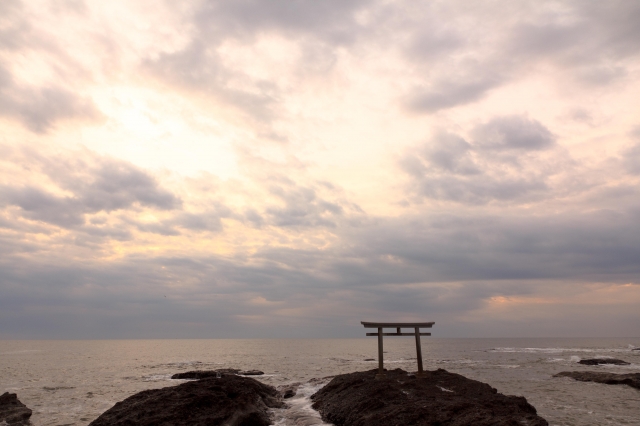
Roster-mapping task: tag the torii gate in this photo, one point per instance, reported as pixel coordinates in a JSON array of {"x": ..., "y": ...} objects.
[{"x": 398, "y": 326}]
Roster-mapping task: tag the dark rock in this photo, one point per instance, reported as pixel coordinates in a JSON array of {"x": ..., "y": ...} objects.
[
  {"x": 599, "y": 361},
  {"x": 229, "y": 401},
  {"x": 437, "y": 398},
  {"x": 631, "y": 379},
  {"x": 12, "y": 411},
  {"x": 289, "y": 390},
  {"x": 203, "y": 374},
  {"x": 252, "y": 373},
  {"x": 369, "y": 359}
]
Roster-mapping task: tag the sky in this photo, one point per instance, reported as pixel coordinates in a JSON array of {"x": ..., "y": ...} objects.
[{"x": 289, "y": 168}]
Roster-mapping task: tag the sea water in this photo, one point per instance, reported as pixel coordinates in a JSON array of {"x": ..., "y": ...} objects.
[{"x": 73, "y": 382}]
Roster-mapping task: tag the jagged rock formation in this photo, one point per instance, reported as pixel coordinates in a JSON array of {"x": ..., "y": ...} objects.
[
  {"x": 229, "y": 400},
  {"x": 631, "y": 379},
  {"x": 12, "y": 411},
  {"x": 438, "y": 398}
]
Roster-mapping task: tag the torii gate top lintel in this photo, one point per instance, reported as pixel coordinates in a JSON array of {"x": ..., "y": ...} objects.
[{"x": 398, "y": 326}]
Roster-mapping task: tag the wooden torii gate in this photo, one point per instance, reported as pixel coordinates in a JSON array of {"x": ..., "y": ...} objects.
[{"x": 398, "y": 326}]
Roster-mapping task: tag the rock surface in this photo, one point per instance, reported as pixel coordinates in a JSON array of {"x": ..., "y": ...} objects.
[
  {"x": 438, "y": 398},
  {"x": 12, "y": 411},
  {"x": 230, "y": 401},
  {"x": 599, "y": 361},
  {"x": 632, "y": 379}
]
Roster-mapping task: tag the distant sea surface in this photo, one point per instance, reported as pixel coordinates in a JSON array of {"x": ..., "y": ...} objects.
[{"x": 73, "y": 382}]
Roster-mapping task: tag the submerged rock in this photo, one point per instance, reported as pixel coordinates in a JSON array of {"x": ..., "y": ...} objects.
[
  {"x": 252, "y": 373},
  {"x": 289, "y": 390},
  {"x": 230, "y": 401},
  {"x": 599, "y": 361},
  {"x": 203, "y": 374},
  {"x": 438, "y": 398},
  {"x": 12, "y": 411},
  {"x": 631, "y": 379}
]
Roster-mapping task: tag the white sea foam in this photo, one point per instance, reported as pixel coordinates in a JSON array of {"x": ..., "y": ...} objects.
[
  {"x": 470, "y": 362},
  {"x": 299, "y": 411},
  {"x": 156, "y": 377}
]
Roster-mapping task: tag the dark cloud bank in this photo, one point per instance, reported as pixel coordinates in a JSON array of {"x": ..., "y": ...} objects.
[{"x": 445, "y": 264}]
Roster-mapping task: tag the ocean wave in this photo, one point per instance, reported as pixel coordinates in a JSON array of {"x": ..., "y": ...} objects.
[
  {"x": 461, "y": 361},
  {"x": 24, "y": 351},
  {"x": 558, "y": 350}
]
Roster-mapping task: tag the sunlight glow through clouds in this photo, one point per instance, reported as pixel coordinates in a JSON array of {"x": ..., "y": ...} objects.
[{"x": 160, "y": 132}]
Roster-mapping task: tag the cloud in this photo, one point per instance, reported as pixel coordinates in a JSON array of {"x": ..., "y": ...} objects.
[
  {"x": 631, "y": 155},
  {"x": 467, "y": 54},
  {"x": 500, "y": 164},
  {"x": 100, "y": 185},
  {"x": 39, "y": 108},
  {"x": 201, "y": 66},
  {"x": 513, "y": 133},
  {"x": 448, "y": 265},
  {"x": 450, "y": 92},
  {"x": 302, "y": 207},
  {"x": 578, "y": 30},
  {"x": 333, "y": 20},
  {"x": 507, "y": 213}
]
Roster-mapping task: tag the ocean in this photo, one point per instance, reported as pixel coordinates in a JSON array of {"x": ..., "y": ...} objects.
[{"x": 73, "y": 382}]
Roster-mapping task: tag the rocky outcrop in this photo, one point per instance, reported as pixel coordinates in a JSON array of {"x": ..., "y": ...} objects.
[
  {"x": 12, "y": 411},
  {"x": 203, "y": 374},
  {"x": 632, "y": 379},
  {"x": 437, "y": 398},
  {"x": 602, "y": 361},
  {"x": 229, "y": 400}
]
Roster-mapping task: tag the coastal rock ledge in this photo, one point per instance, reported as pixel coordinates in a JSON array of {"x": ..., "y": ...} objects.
[
  {"x": 400, "y": 399},
  {"x": 229, "y": 400},
  {"x": 12, "y": 411}
]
